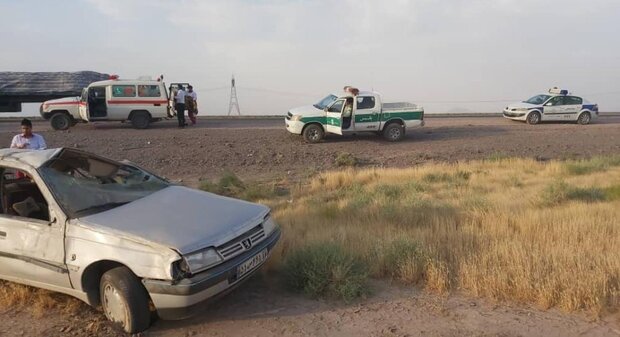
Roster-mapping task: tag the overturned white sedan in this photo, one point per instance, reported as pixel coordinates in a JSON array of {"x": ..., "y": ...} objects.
[{"x": 111, "y": 233}]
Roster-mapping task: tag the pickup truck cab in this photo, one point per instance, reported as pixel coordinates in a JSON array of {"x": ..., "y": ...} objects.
[
  {"x": 62, "y": 112},
  {"x": 347, "y": 114},
  {"x": 140, "y": 101}
]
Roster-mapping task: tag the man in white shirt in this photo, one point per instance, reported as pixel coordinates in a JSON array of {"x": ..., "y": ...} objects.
[
  {"x": 27, "y": 139},
  {"x": 180, "y": 106},
  {"x": 191, "y": 104}
]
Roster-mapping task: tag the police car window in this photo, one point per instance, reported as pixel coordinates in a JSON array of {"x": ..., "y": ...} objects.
[
  {"x": 123, "y": 91},
  {"x": 558, "y": 100},
  {"x": 148, "y": 91},
  {"x": 572, "y": 100},
  {"x": 336, "y": 107},
  {"x": 365, "y": 102}
]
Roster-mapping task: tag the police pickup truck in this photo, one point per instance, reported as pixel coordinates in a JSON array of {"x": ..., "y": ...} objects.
[{"x": 350, "y": 113}]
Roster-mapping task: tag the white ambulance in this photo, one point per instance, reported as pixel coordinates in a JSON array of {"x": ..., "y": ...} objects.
[
  {"x": 140, "y": 101},
  {"x": 62, "y": 112}
]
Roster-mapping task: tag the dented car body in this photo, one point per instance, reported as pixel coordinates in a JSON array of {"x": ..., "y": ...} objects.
[{"x": 72, "y": 222}]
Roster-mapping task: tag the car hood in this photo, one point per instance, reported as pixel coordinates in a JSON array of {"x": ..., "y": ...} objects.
[
  {"x": 181, "y": 218},
  {"x": 522, "y": 105},
  {"x": 72, "y": 99},
  {"x": 307, "y": 110}
]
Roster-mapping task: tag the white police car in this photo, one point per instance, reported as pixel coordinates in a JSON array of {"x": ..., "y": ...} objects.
[{"x": 557, "y": 105}]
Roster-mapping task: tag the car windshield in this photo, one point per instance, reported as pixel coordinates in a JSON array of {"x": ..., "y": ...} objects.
[
  {"x": 85, "y": 184},
  {"x": 538, "y": 99},
  {"x": 325, "y": 102}
]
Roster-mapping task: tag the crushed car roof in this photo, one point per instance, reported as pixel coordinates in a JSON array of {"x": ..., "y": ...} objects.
[{"x": 34, "y": 158}]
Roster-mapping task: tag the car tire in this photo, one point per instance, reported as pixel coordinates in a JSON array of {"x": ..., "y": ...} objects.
[
  {"x": 61, "y": 121},
  {"x": 394, "y": 132},
  {"x": 124, "y": 300},
  {"x": 584, "y": 118},
  {"x": 533, "y": 118},
  {"x": 313, "y": 133},
  {"x": 140, "y": 119}
]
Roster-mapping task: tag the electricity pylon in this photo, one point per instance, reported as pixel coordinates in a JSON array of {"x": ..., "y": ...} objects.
[{"x": 234, "y": 102}]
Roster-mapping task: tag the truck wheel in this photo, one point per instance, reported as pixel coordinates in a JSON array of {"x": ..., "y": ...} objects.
[
  {"x": 533, "y": 118},
  {"x": 140, "y": 119},
  {"x": 124, "y": 300},
  {"x": 394, "y": 132},
  {"x": 584, "y": 118},
  {"x": 60, "y": 121},
  {"x": 313, "y": 133}
]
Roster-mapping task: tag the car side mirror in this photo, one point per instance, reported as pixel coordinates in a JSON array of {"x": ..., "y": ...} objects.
[{"x": 549, "y": 104}]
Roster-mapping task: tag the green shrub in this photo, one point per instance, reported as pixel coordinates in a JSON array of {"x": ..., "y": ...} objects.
[
  {"x": 559, "y": 192},
  {"x": 346, "y": 159},
  {"x": 232, "y": 186},
  {"x": 403, "y": 260},
  {"x": 326, "y": 270},
  {"x": 596, "y": 164}
]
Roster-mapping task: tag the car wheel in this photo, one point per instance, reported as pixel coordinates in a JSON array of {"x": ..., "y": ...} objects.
[
  {"x": 124, "y": 300},
  {"x": 584, "y": 118},
  {"x": 313, "y": 133},
  {"x": 60, "y": 121},
  {"x": 394, "y": 132},
  {"x": 140, "y": 119},
  {"x": 533, "y": 118}
]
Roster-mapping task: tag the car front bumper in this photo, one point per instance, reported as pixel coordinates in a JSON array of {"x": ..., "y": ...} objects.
[
  {"x": 184, "y": 298},
  {"x": 294, "y": 126},
  {"x": 517, "y": 115}
]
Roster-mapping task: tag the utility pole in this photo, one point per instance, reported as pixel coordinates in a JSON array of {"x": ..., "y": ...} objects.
[{"x": 234, "y": 102}]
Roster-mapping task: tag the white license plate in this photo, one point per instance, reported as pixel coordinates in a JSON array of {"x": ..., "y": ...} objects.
[{"x": 252, "y": 263}]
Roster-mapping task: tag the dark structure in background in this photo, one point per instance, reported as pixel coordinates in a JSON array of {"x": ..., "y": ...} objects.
[{"x": 25, "y": 87}]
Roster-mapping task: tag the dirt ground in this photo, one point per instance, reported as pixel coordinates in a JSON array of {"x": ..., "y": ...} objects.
[{"x": 263, "y": 150}]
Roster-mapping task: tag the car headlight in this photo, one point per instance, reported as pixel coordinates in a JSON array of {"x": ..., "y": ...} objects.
[
  {"x": 201, "y": 260},
  {"x": 269, "y": 225},
  {"x": 296, "y": 118}
]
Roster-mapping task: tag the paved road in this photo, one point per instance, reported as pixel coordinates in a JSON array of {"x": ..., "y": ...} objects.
[{"x": 273, "y": 123}]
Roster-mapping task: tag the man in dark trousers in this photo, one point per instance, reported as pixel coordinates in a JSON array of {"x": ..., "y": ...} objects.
[{"x": 180, "y": 106}]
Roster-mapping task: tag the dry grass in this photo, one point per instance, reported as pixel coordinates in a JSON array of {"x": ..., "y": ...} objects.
[
  {"x": 508, "y": 229},
  {"x": 36, "y": 301}
]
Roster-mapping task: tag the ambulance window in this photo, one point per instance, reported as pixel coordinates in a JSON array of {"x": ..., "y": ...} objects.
[
  {"x": 123, "y": 91},
  {"x": 365, "y": 102},
  {"x": 572, "y": 100},
  {"x": 148, "y": 91}
]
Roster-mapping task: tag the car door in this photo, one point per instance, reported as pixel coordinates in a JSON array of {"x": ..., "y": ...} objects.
[
  {"x": 554, "y": 108},
  {"x": 572, "y": 107},
  {"x": 97, "y": 107},
  {"x": 367, "y": 114},
  {"x": 32, "y": 243},
  {"x": 334, "y": 116},
  {"x": 121, "y": 100}
]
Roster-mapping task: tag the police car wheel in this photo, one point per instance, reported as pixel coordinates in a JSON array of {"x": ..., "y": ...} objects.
[
  {"x": 533, "y": 118},
  {"x": 313, "y": 133},
  {"x": 584, "y": 118}
]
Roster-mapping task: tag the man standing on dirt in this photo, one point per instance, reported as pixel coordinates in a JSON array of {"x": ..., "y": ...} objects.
[
  {"x": 27, "y": 139},
  {"x": 180, "y": 106},
  {"x": 191, "y": 104}
]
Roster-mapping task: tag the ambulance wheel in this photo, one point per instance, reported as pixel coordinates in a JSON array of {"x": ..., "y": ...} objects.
[
  {"x": 584, "y": 118},
  {"x": 533, "y": 118},
  {"x": 394, "y": 132},
  {"x": 60, "y": 121},
  {"x": 313, "y": 133},
  {"x": 140, "y": 119}
]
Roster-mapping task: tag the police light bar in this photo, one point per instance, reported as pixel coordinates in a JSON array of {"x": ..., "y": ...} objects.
[
  {"x": 556, "y": 90},
  {"x": 114, "y": 77}
]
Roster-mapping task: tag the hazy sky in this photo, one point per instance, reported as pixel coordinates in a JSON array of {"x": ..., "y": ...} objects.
[{"x": 443, "y": 54}]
